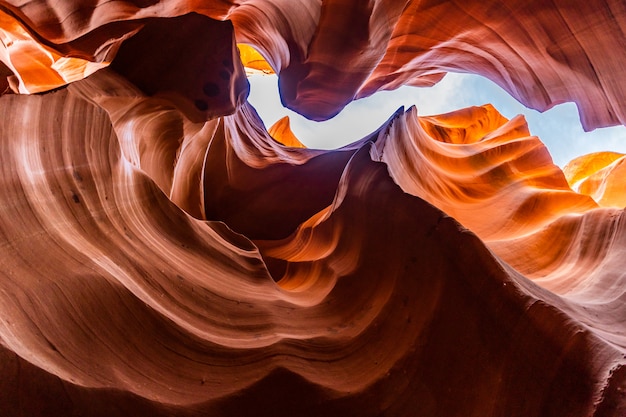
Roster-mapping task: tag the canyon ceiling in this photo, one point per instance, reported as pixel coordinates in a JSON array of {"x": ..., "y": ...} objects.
[{"x": 163, "y": 253}]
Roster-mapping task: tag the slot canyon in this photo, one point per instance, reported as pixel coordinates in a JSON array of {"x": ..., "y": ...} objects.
[{"x": 164, "y": 253}]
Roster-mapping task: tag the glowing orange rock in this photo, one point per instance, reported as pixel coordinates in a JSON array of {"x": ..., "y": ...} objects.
[
  {"x": 564, "y": 57},
  {"x": 281, "y": 131},
  {"x": 117, "y": 268},
  {"x": 163, "y": 254},
  {"x": 253, "y": 60},
  {"x": 475, "y": 165},
  {"x": 33, "y": 66},
  {"x": 601, "y": 176}
]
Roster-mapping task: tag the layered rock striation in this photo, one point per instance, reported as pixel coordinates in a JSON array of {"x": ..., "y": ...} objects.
[{"x": 163, "y": 253}]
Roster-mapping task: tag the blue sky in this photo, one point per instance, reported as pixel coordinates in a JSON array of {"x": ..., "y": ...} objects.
[{"x": 559, "y": 128}]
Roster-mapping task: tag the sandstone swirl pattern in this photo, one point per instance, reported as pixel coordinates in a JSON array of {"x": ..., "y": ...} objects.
[{"x": 163, "y": 254}]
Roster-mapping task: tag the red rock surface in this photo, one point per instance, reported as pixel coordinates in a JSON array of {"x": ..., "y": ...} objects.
[
  {"x": 164, "y": 254},
  {"x": 599, "y": 175}
]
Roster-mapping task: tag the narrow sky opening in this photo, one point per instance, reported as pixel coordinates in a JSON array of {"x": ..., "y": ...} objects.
[{"x": 559, "y": 128}]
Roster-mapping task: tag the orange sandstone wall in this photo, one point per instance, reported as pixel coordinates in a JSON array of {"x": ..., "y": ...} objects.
[{"x": 163, "y": 254}]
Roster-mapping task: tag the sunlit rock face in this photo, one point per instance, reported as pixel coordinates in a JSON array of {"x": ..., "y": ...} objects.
[
  {"x": 599, "y": 175},
  {"x": 163, "y": 254}
]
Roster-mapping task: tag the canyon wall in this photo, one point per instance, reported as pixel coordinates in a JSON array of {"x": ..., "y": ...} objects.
[{"x": 166, "y": 254}]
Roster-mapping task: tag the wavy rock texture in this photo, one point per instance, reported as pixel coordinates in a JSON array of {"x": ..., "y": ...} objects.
[
  {"x": 599, "y": 175},
  {"x": 543, "y": 53},
  {"x": 164, "y": 254}
]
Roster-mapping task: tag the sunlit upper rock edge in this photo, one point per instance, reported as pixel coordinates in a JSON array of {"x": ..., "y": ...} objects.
[
  {"x": 164, "y": 254},
  {"x": 540, "y": 53}
]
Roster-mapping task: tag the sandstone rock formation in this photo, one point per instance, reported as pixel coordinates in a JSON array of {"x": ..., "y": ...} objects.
[
  {"x": 599, "y": 175},
  {"x": 164, "y": 254}
]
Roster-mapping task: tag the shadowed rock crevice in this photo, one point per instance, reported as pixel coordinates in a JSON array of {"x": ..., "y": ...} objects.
[{"x": 163, "y": 254}]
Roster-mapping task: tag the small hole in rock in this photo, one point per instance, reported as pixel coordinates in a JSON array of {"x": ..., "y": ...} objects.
[
  {"x": 211, "y": 89},
  {"x": 201, "y": 105}
]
